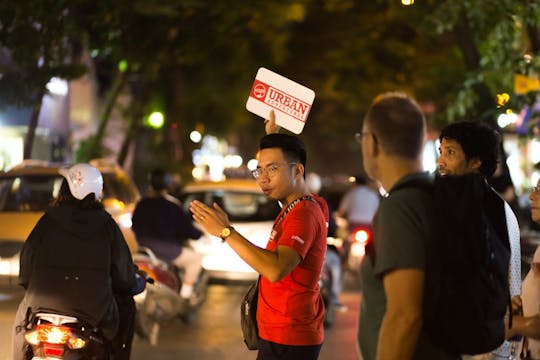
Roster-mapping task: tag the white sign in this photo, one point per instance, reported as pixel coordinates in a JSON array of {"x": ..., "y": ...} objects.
[{"x": 290, "y": 101}]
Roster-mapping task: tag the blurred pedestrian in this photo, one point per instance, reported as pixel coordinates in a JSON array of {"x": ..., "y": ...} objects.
[
  {"x": 161, "y": 224},
  {"x": 290, "y": 311},
  {"x": 526, "y": 318},
  {"x": 472, "y": 147},
  {"x": 358, "y": 206},
  {"x": 332, "y": 258},
  {"x": 76, "y": 261},
  {"x": 392, "y": 308}
]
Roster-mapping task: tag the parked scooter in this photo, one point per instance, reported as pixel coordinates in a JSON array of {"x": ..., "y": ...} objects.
[
  {"x": 161, "y": 301},
  {"x": 52, "y": 335}
]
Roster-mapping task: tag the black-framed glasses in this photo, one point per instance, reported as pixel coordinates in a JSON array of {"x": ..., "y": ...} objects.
[{"x": 270, "y": 170}]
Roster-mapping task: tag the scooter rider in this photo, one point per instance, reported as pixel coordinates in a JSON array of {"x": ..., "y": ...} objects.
[
  {"x": 160, "y": 223},
  {"x": 76, "y": 261}
]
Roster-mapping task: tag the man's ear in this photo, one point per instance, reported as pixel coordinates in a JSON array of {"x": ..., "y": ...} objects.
[
  {"x": 475, "y": 163},
  {"x": 299, "y": 170}
]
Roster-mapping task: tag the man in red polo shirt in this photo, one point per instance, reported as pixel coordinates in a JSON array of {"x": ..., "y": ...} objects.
[{"x": 290, "y": 310}]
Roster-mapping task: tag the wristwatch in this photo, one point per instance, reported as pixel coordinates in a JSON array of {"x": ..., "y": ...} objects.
[{"x": 226, "y": 232}]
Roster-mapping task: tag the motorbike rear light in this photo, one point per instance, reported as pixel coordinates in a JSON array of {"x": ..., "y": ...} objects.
[
  {"x": 76, "y": 343},
  {"x": 361, "y": 236},
  {"x": 56, "y": 335},
  {"x": 32, "y": 337},
  {"x": 53, "y": 351},
  {"x": 53, "y": 334}
]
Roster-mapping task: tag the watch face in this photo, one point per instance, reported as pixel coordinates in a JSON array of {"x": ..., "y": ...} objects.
[{"x": 225, "y": 232}]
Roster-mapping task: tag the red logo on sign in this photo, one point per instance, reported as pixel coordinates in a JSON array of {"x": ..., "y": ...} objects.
[
  {"x": 280, "y": 100},
  {"x": 259, "y": 91}
]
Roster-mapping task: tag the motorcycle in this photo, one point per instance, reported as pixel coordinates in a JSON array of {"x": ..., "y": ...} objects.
[
  {"x": 355, "y": 249},
  {"x": 52, "y": 335},
  {"x": 55, "y": 336},
  {"x": 331, "y": 272},
  {"x": 161, "y": 303}
]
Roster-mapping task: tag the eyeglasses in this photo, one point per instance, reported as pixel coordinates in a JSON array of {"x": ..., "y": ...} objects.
[
  {"x": 270, "y": 170},
  {"x": 360, "y": 136}
]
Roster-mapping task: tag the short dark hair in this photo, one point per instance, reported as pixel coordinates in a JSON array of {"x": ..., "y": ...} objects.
[
  {"x": 477, "y": 140},
  {"x": 293, "y": 148},
  {"x": 160, "y": 179},
  {"x": 397, "y": 123}
]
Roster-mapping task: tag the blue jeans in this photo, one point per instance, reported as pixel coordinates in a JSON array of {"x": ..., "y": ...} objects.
[
  {"x": 333, "y": 261},
  {"x": 272, "y": 351}
]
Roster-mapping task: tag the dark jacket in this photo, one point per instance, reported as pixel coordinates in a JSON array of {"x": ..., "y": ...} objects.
[
  {"x": 163, "y": 226},
  {"x": 74, "y": 262}
]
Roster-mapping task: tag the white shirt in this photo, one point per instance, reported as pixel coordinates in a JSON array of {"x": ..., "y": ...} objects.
[
  {"x": 514, "y": 273},
  {"x": 530, "y": 298},
  {"x": 359, "y": 205}
]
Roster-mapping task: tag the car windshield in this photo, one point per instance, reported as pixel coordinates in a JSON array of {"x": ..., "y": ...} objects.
[
  {"x": 240, "y": 206},
  {"x": 35, "y": 192},
  {"x": 28, "y": 193}
]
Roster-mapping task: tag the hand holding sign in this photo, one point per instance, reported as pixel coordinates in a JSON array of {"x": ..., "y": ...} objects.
[
  {"x": 290, "y": 101},
  {"x": 270, "y": 126}
]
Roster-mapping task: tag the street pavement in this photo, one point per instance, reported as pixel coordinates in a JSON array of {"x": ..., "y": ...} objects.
[{"x": 214, "y": 335}]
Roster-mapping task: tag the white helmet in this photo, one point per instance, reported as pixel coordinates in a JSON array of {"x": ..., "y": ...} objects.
[{"x": 83, "y": 179}]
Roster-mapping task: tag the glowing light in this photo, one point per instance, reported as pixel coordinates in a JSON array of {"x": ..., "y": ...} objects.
[
  {"x": 507, "y": 118},
  {"x": 57, "y": 86},
  {"x": 252, "y": 164},
  {"x": 195, "y": 136},
  {"x": 429, "y": 155},
  {"x": 156, "y": 120},
  {"x": 502, "y": 99},
  {"x": 407, "y": 2},
  {"x": 361, "y": 236},
  {"x": 233, "y": 161},
  {"x": 535, "y": 151},
  {"x": 197, "y": 173},
  {"x": 122, "y": 66}
]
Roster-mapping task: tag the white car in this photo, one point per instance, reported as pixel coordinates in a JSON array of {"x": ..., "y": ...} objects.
[
  {"x": 27, "y": 189},
  {"x": 250, "y": 213}
]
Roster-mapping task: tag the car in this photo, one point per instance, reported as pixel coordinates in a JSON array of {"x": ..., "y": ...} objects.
[
  {"x": 251, "y": 213},
  {"x": 27, "y": 189}
]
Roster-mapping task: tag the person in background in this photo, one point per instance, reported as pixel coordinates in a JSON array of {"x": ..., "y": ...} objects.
[
  {"x": 160, "y": 223},
  {"x": 77, "y": 253},
  {"x": 394, "y": 268},
  {"x": 358, "y": 206},
  {"x": 472, "y": 147},
  {"x": 332, "y": 258},
  {"x": 526, "y": 308},
  {"x": 290, "y": 310}
]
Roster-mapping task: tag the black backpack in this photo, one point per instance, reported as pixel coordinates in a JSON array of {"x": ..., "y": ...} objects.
[{"x": 468, "y": 257}]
